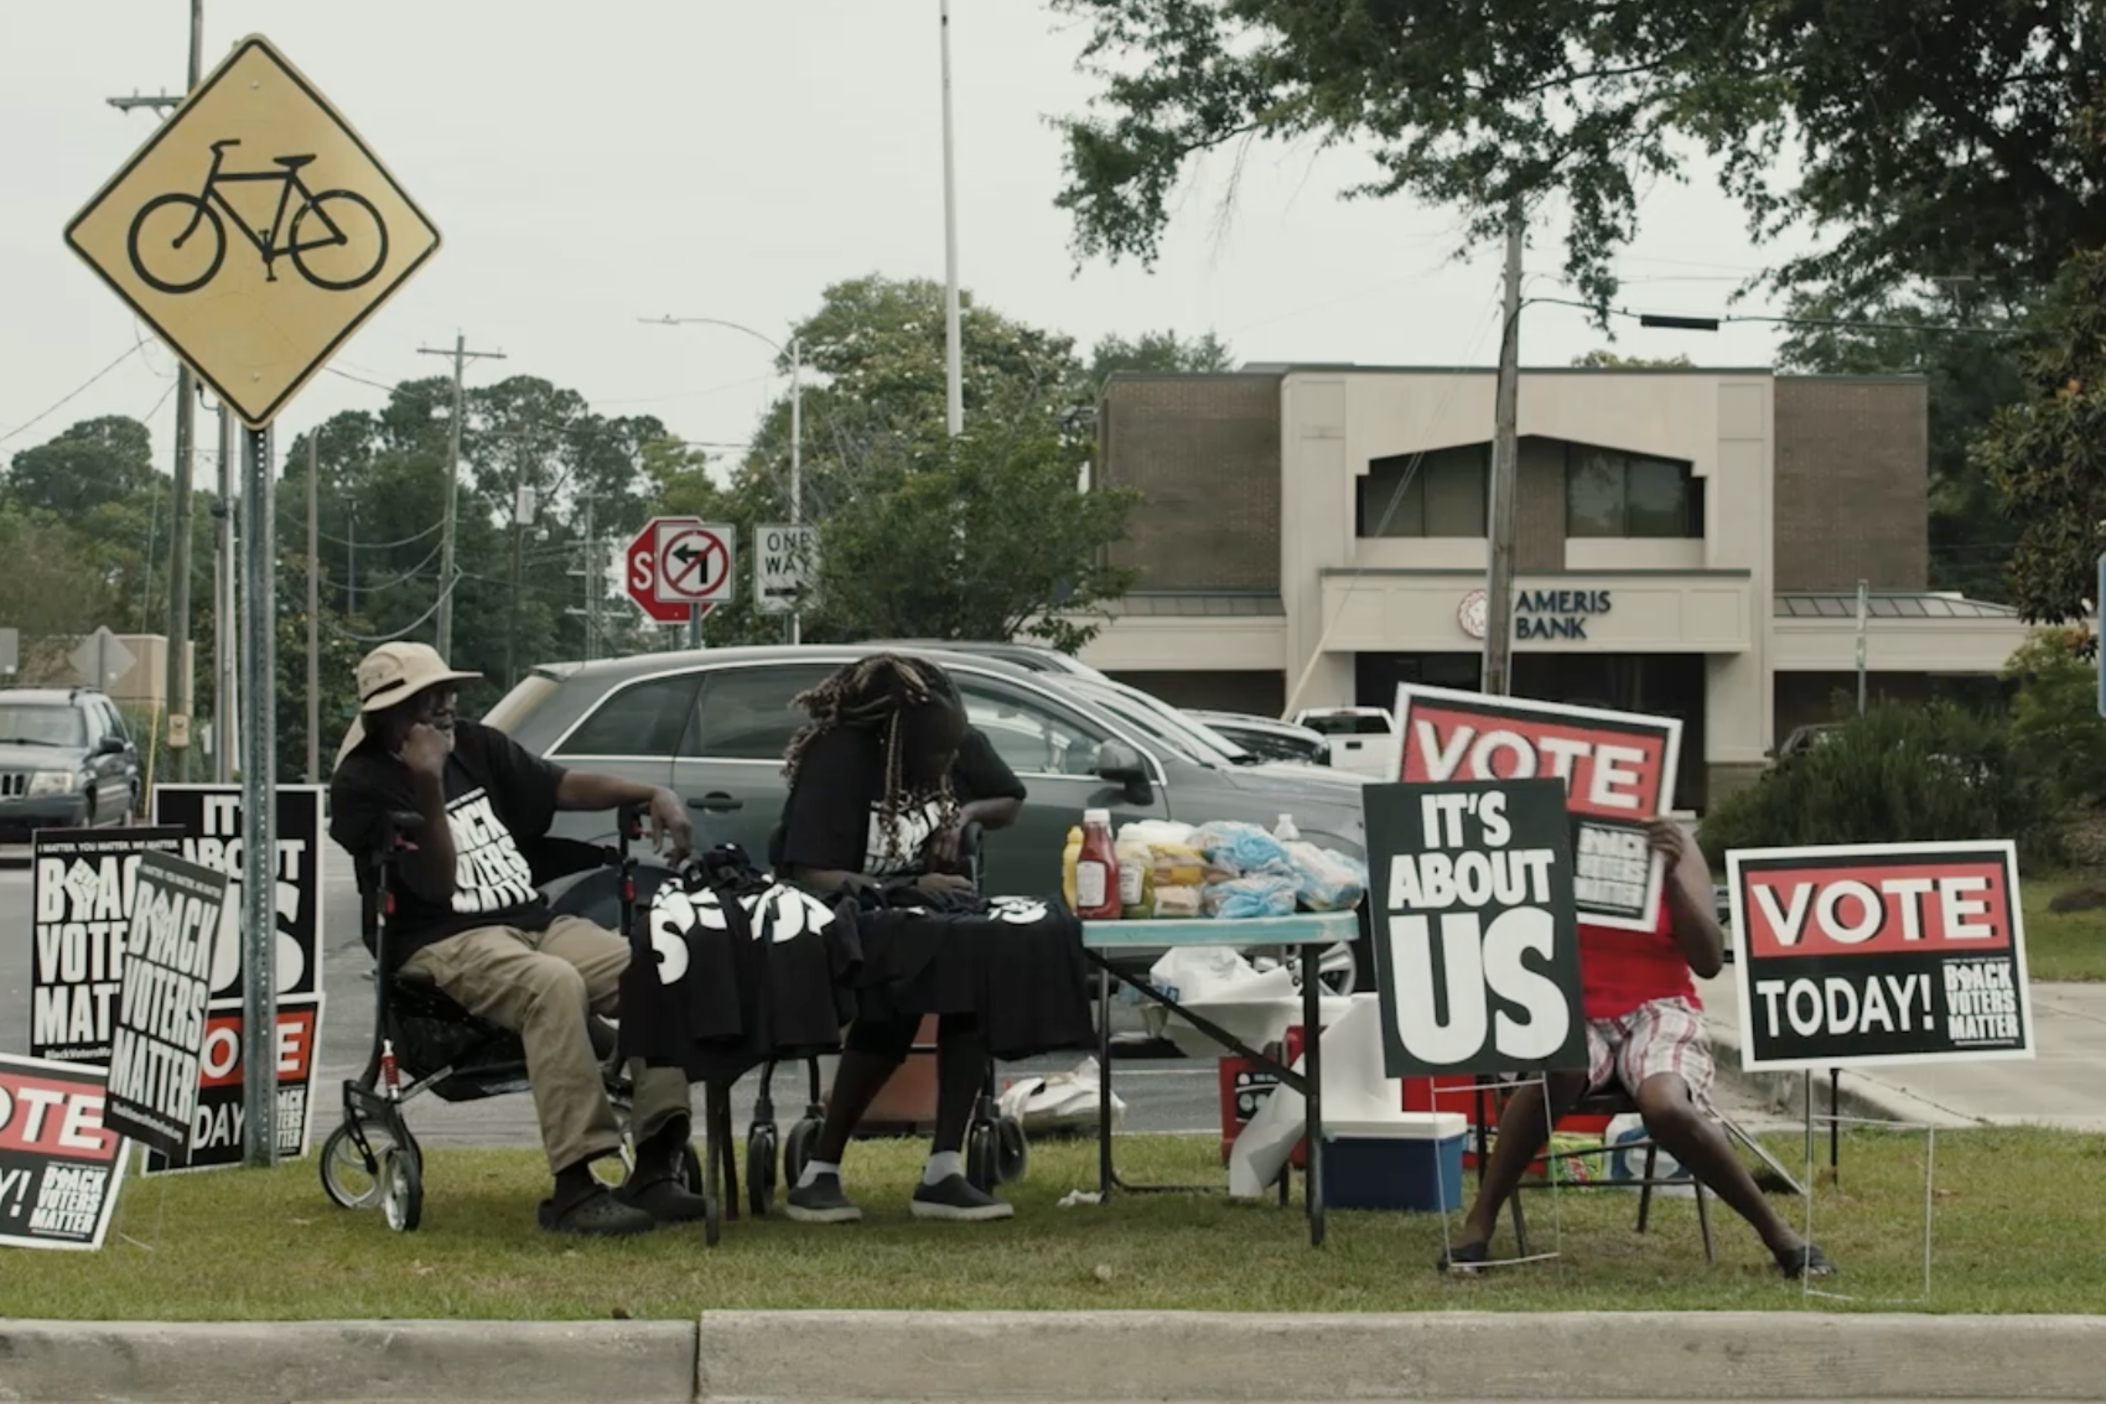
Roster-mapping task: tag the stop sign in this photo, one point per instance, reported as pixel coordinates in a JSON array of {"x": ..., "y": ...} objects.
[{"x": 640, "y": 575}]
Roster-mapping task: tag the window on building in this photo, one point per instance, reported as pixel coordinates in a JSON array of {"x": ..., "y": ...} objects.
[
  {"x": 1431, "y": 494},
  {"x": 1608, "y": 493}
]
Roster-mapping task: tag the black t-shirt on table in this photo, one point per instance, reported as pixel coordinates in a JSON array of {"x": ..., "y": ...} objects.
[{"x": 497, "y": 794}]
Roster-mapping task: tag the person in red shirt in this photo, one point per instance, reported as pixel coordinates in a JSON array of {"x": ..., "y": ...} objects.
[{"x": 1645, "y": 1031}]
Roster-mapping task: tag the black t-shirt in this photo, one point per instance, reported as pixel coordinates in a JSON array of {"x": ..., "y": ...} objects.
[
  {"x": 833, "y": 817},
  {"x": 497, "y": 794}
]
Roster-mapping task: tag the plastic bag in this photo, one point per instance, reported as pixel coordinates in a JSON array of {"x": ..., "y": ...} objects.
[
  {"x": 1257, "y": 895},
  {"x": 1325, "y": 879},
  {"x": 1241, "y": 850}
]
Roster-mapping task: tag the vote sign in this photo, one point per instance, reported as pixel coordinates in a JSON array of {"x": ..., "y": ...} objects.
[
  {"x": 1872, "y": 954},
  {"x": 1476, "y": 941},
  {"x": 1617, "y": 768}
]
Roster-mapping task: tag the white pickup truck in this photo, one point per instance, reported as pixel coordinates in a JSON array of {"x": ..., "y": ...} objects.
[{"x": 1364, "y": 740}]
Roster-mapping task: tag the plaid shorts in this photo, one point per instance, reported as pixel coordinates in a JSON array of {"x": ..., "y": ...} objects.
[{"x": 1662, "y": 1036}]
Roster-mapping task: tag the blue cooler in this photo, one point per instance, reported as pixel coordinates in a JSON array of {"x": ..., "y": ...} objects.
[{"x": 1410, "y": 1161}]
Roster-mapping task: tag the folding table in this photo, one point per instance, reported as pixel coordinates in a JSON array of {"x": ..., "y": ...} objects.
[{"x": 1311, "y": 932}]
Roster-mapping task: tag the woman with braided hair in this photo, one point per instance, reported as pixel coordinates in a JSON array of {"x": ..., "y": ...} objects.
[{"x": 871, "y": 805}]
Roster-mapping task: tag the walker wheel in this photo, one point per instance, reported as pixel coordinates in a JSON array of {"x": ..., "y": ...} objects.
[
  {"x": 797, "y": 1149},
  {"x": 1012, "y": 1151},
  {"x": 713, "y": 1222},
  {"x": 350, "y": 1176},
  {"x": 761, "y": 1160},
  {"x": 983, "y": 1157},
  {"x": 402, "y": 1188}
]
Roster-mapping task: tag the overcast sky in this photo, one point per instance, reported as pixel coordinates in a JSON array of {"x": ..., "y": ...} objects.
[{"x": 591, "y": 164}]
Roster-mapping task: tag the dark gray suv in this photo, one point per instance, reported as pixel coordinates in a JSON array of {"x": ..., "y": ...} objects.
[
  {"x": 712, "y": 726},
  {"x": 67, "y": 761}
]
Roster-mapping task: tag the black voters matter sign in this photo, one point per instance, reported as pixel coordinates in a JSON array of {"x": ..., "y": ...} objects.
[
  {"x": 209, "y": 818},
  {"x": 179, "y": 911},
  {"x": 1618, "y": 769},
  {"x": 1876, "y": 954},
  {"x": 81, "y": 884},
  {"x": 1477, "y": 947},
  {"x": 60, "y": 1165}
]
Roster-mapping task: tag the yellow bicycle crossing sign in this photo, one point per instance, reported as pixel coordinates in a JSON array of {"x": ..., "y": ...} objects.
[{"x": 254, "y": 231}]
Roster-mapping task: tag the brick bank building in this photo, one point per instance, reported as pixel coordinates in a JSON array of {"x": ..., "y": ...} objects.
[{"x": 1689, "y": 542}]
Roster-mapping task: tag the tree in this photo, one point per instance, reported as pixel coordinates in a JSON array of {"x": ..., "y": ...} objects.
[
  {"x": 2046, "y": 454},
  {"x": 96, "y": 463},
  {"x": 1603, "y": 359},
  {"x": 1966, "y": 348},
  {"x": 1923, "y": 138},
  {"x": 1156, "y": 351},
  {"x": 918, "y": 535}
]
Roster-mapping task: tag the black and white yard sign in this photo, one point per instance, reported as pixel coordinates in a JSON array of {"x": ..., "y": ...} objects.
[
  {"x": 1875, "y": 954},
  {"x": 60, "y": 1165},
  {"x": 1618, "y": 769},
  {"x": 210, "y": 820},
  {"x": 81, "y": 900},
  {"x": 1477, "y": 944},
  {"x": 179, "y": 912}
]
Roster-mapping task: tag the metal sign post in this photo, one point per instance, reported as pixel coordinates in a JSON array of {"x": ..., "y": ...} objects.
[
  {"x": 259, "y": 810},
  {"x": 255, "y": 312}
]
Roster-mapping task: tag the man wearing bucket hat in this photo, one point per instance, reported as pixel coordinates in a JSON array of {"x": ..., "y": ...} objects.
[{"x": 469, "y": 917}]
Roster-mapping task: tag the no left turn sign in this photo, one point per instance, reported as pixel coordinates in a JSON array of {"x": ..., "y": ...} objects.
[{"x": 692, "y": 564}]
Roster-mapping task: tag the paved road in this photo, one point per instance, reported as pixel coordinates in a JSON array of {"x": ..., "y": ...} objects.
[{"x": 1174, "y": 1096}]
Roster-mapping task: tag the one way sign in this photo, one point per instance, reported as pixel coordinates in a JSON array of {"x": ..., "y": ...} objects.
[{"x": 784, "y": 561}]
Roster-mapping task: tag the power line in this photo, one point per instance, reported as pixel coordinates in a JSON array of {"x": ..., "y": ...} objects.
[{"x": 76, "y": 393}]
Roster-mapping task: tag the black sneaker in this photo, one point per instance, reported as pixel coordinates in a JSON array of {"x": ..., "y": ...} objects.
[
  {"x": 821, "y": 1202},
  {"x": 595, "y": 1215},
  {"x": 954, "y": 1197}
]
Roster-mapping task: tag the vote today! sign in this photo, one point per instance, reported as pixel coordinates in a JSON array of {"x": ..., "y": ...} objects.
[
  {"x": 60, "y": 1165},
  {"x": 1862, "y": 955},
  {"x": 1617, "y": 769},
  {"x": 1477, "y": 943}
]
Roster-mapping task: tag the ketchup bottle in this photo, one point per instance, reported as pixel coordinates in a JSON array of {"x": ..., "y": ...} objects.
[{"x": 1097, "y": 869}]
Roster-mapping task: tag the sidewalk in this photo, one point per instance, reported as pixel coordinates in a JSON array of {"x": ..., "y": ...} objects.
[{"x": 2060, "y": 1087}]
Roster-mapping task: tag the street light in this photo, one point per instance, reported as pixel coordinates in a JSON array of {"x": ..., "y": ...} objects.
[{"x": 795, "y": 353}]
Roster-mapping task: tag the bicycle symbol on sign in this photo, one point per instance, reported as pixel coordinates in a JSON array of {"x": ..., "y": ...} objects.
[{"x": 335, "y": 239}]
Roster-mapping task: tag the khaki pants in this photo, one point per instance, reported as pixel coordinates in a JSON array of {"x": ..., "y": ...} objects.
[{"x": 541, "y": 985}]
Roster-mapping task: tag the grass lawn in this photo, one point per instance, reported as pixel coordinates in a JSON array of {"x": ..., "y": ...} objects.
[
  {"x": 2064, "y": 946},
  {"x": 2015, "y": 1231}
]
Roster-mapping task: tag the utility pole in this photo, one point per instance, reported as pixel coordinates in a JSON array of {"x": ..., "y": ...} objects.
[
  {"x": 522, "y": 515},
  {"x": 953, "y": 353},
  {"x": 1499, "y": 571},
  {"x": 177, "y": 675},
  {"x": 314, "y": 608},
  {"x": 461, "y": 356},
  {"x": 595, "y": 585},
  {"x": 351, "y": 561}
]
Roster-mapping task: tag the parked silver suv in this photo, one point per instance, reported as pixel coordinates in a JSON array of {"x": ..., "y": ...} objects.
[{"x": 712, "y": 725}]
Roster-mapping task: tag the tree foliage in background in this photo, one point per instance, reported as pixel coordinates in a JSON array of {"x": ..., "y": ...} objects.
[
  {"x": 918, "y": 536},
  {"x": 2055, "y": 723},
  {"x": 2046, "y": 453},
  {"x": 1918, "y": 138},
  {"x": 981, "y": 538},
  {"x": 1898, "y": 774},
  {"x": 1603, "y": 359}
]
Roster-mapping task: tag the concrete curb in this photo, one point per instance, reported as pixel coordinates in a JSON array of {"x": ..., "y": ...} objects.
[
  {"x": 1094, "y": 1356},
  {"x": 381, "y": 1362}
]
